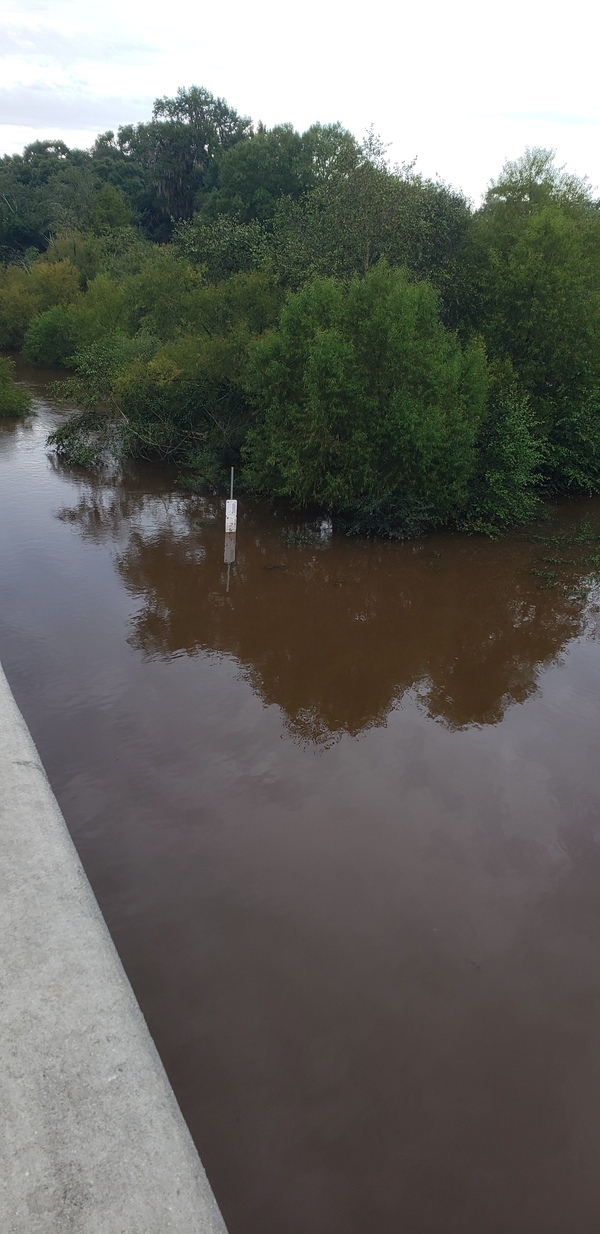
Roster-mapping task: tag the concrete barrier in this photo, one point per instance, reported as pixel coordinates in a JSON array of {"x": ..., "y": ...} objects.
[{"x": 91, "y": 1137}]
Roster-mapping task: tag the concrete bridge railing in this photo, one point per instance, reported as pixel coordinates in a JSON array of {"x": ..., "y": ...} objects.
[{"x": 91, "y": 1137}]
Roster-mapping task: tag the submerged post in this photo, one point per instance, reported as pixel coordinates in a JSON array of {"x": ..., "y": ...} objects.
[
  {"x": 229, "y": 555},
  {"x": 230, "y": 529},
  {"x": 231, "y": 511}
]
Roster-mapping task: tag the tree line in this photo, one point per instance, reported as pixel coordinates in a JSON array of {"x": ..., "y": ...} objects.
[{"x": 345, "y": 331}]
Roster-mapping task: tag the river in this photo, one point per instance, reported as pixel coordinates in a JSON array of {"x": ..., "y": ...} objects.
[{"x": 340, "y": 805}]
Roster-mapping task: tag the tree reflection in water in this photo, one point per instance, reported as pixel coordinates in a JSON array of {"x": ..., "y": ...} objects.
[{"x": 335, "y": 631}]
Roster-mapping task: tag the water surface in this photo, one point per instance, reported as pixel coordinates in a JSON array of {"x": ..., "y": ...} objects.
[{"x": 341, "y": 808}]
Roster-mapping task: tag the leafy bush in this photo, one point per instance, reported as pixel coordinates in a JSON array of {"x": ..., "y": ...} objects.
[
  {"x": 536, "y": 252},
  {"x": 51, "y": 338},
  {"x": 53, "y": 283},
  {"x": 100, "y": 427},
  {"x": 13, "y": 401},
  {"x": 574, "y": 446},
  {"x": 25, "y": 293},
  {"x": 222, "y": 247},
  {"x": 86, "y": 438},
  {"x": 17, "y": 306},
  {"x": 503, "y": 491},
  {"x": 160, "y": 299},
  {"x": 101, "y": 312},
  {"x": 366, "y": 405},
  {"x": 184, "y": 398}
]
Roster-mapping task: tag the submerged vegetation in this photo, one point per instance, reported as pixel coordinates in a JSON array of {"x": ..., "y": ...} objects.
[
  {"x": 14, "y": 401},
  {"x": 345, "y": 332}
]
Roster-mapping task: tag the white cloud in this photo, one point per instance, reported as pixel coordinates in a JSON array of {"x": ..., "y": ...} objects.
[
  {"x": 42, "y": 106},
  {"x": 462, "y": 86},
  {"x": 33, "y": 45}
]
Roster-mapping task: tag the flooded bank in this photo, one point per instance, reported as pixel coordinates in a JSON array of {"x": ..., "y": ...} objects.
[{"x": 341, "y": 810}]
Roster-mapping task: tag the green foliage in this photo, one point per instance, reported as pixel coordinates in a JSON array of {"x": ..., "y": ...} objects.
[
  {"x": 532, "y": 181},
  {"x": 185, "y": 404},
  {"x": 367, "y": 405},
  {"x": 344, "y": 227},
  {"x": 17, "y": 306},
  {"x": 179, "y": 396},
  {"x": 54, "y": 338},
  {"x": 51, "y": 338},
  {"x": 331, "y": 151},
  {"x": 53, "y": 283},
  {"x": 181, "y": 145},
  {"x": 160, "y": 299},
  {"x": 26, "y": 199},
  {"x": 271, "y": 164},
  {"x": 350, "y": 222},
  {"x": 50, "y": 188},
  {"x": 110, "y": 211},
  {"x": 98, "y": 367},
  {"x": 87, "y": 437},
  {"x": 222, "y": 247},
  {"x": 535, "y": 257},
  {"x": 574, "y": 446},
  {"x": 503, "y": 489},
  {"x": 26, "y": 292},
  {"x": 101, "y": 312},
  {"x": 13, "y": 400},
  {"x": 248, "y": 303},
  {"x": 184, "y": 401},
  {"x": 255, "y": 173},
  {"x": 117, "y": 253},
  {"x": 159, "y": 262}
]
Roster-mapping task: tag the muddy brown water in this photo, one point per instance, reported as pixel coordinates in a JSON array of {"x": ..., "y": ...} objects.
[{"x": 343, "y": 820}]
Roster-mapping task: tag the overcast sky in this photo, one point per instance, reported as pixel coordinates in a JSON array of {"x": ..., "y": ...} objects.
[{"x": 461, "y": 85}]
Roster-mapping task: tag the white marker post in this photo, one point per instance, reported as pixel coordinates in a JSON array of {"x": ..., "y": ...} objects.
[
  {"x": 231, "y": 512},
  {"x": 230, "y": 530}
]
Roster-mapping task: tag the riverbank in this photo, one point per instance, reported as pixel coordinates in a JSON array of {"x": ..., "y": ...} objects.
[{"x": 92, "y": 1138}]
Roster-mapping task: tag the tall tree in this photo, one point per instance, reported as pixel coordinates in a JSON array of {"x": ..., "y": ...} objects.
[
  {"x": 536, "y": 253},
  {"x": 255, "y": 174},
  {"x": 363, "y": 213},
  {"x": 180, "y": 145}
]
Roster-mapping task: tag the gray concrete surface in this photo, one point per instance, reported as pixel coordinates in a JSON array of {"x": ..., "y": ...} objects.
[{"x": 92, "y": 1140}]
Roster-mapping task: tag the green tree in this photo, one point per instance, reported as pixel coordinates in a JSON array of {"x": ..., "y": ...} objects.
[
  {"x": 160, "y": 298},
  {"x": 182, "y": 396},
  {"x": 368, "y": 212},
  {"x": 54, "y": 283},
  {"x": 17, "y": 306},
  {"x": 270, "y": 164},
  {"x": 110, "y": 211},
  {"x": 14, "y": 401},
  {"x": 366, "y": 404},
  {"x": 222, "y": 247},
  {"x": 116, "y": 253},
  {"x": 115, "y": 167},
  {"x": 255, "y": 173},
  {"x": 41, "y": 189},
  {"x": 51, "y": 338},
  {"x": 331, "y": 150},
  {"x": 504, "y": 488},
  {"x": 24, "y": 293},
  {"x": 536, "y": 255},
  {"x": 102, "y": 311},
  {"x": 180, "y": 146}
]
